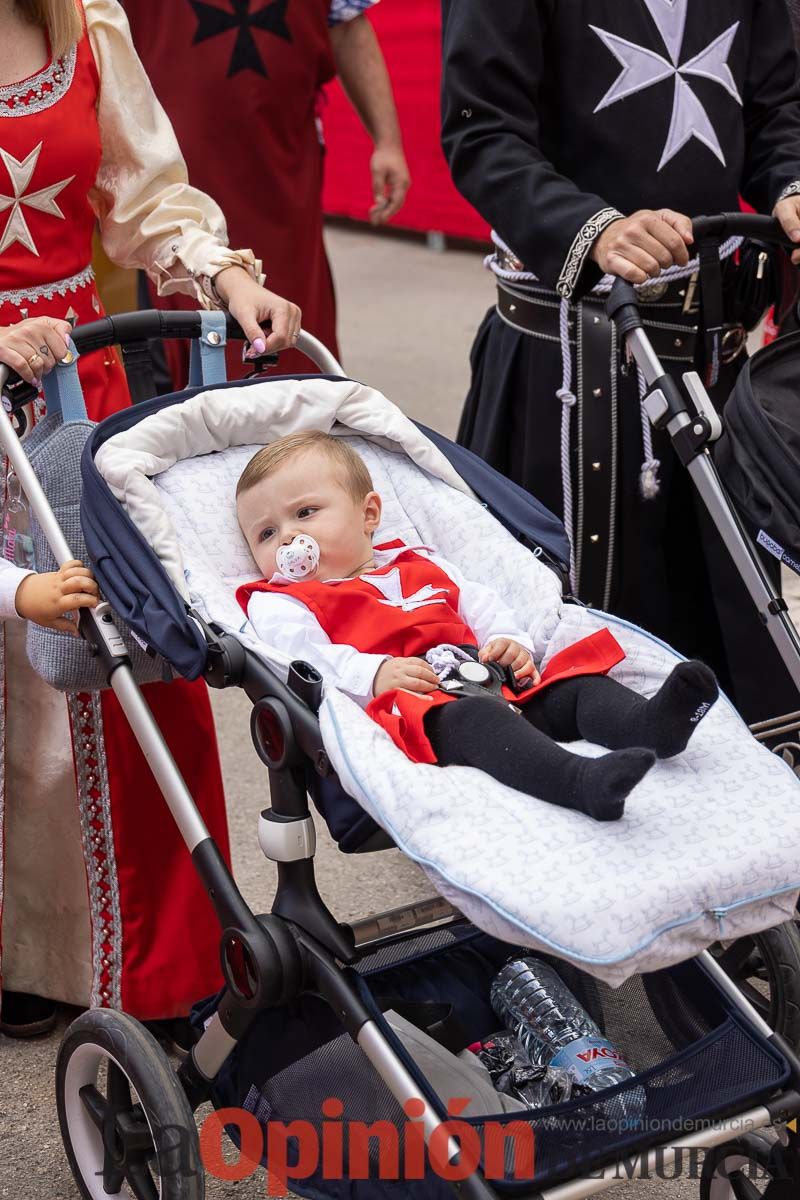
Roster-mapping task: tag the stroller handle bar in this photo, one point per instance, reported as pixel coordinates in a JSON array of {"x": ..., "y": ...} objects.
[
  {"x": 739, "y": 224},
  {"x": 127, "y": 328}
]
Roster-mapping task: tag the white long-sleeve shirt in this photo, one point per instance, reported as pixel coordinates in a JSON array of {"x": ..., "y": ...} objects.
[
  {"x": 11, "y": 577},
  {"x": 290, "y": 626}
]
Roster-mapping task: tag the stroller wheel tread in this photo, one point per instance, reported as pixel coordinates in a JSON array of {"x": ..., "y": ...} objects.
[
  {"x": 779, "y": 949},
  {"x": 749, "y": 1168},
  {"x": 126, "y": 1124}
]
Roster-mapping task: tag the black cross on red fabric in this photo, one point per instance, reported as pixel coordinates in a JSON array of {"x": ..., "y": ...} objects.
[{"x": 212, "y": 21}]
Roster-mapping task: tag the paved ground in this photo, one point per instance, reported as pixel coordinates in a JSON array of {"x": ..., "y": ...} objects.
[{"x": 400, "y": 333}]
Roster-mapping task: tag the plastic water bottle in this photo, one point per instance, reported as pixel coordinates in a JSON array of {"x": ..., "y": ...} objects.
[{"x": 555, "y": 1031}]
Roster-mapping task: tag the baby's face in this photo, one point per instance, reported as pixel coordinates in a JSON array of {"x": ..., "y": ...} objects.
[{"x": 308, "y": 495}]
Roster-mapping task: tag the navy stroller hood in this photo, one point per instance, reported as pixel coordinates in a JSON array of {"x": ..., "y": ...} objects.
[
  {"x": 758, "y": 455},
  {"x": 138, "y": 588}
]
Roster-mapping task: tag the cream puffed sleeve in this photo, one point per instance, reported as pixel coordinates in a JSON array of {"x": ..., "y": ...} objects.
[{"x": 149, "y": 215}]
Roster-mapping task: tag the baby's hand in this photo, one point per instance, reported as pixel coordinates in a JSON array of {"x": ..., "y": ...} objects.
[
  {"x": 411, "y": 674},
  {"x": 48, "y": 598},
  {"x": 508, "y": 653}
]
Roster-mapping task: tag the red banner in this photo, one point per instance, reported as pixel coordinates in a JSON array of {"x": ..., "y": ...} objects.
[{"x": 409, "y": 32}]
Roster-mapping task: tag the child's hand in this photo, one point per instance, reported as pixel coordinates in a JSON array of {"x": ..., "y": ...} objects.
[
  {"x": 48, "y": 598},
  {"x": 508, "y": 653},
  {"x": 411, "y": 674}
]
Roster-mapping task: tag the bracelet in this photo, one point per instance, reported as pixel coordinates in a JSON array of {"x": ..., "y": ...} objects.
[{"x": 208, "y": 287}]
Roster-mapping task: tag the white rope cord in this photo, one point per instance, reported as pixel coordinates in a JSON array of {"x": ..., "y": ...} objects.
[
  {"x": 568, "y": 401},
  {"x": 649, "y": 483},
  {"x": 670, "y": 274}
]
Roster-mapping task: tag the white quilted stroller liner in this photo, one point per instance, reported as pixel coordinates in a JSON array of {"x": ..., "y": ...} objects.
[{"x": 709, "y": 846}]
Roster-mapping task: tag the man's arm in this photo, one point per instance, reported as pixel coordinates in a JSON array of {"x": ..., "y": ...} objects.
[
  {"x": 491, "y": 80},
  {"x": 362, "y": 70},
  {"x": 771, "y": 178}
]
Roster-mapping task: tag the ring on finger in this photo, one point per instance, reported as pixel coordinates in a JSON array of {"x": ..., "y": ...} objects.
[{"x": 34, "y": 358}]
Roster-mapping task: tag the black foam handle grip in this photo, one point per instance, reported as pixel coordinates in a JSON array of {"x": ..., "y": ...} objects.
[
  {"x": 748, "y": 225},
  {"x": 622, "y": 307},
  {"x": 122, "y": 329}
]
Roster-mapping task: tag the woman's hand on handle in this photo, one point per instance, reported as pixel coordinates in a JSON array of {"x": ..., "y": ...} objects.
[
  {"x": 640, "y": 247},
  {"x": 252, "y": 306},
  {"x": 32, "y": 347},
  {"x": 788, "y": 213}
]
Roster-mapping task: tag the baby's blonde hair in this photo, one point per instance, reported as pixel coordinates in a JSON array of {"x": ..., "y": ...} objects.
[
  {"x": 356, "y": 478},
  {"x": 61, "y": 19}
]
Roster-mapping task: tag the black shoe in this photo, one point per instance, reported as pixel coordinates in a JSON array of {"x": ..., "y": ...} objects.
[{"x": 24, "y": 1015}]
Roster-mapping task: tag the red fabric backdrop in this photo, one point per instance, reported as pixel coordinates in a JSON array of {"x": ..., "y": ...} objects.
[{"x": 409, "y": 32}]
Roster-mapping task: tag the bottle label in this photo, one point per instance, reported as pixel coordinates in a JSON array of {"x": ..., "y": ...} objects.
[{"x": 586, "y": 1056}]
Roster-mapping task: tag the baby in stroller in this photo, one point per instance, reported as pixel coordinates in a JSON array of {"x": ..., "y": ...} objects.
[{"x": 435, "y": 658}]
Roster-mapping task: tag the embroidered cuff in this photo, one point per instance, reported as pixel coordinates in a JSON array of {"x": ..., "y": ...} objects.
[
  {"x": 793, "y": 189},
  {"x": 347, "y": 10},
  {"x": 581, "y": 247}
]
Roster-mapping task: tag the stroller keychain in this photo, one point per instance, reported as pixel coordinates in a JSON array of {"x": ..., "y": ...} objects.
[
  {"x": 17, "y": 542},
  {"x": 300, "y": 559}
]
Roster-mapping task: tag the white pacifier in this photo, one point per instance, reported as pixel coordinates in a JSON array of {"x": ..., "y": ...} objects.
[{"x": 299, "y": 559}]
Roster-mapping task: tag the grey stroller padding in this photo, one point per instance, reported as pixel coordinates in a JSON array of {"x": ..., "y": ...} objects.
[
  {"x": 758, "y": 455},
  {"x": 66, "y": 663}
]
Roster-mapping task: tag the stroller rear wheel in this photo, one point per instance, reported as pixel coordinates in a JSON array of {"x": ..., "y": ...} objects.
[
  {"x": 749, "y": 1168},
  {"x": 126, "y": 1124},
  {"x": 766, "y": 968}
]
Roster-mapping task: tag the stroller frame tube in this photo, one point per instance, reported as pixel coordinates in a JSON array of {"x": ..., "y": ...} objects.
[{"x": 771, "y": 609}]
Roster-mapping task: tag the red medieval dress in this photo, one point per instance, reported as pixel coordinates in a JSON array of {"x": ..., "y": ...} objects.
[
  {"x": 99, "y": 899},
  {"x": 242, "y": 86}
]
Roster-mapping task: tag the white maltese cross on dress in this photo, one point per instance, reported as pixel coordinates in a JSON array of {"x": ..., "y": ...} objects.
[
  {"x": 44, "y": 200},
  {"x": 391, "y": 586},
  {"x": 643, "y": 68}
]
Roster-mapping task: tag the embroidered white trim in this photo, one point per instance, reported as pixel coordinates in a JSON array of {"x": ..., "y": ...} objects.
[
  {"x": 793, "y": 189},
  {"x": 94, "y": 806},
  {"x": 47, "y": 291},
  {"x": 578, "y": 251},
  {"x": 42, "y": 90}
]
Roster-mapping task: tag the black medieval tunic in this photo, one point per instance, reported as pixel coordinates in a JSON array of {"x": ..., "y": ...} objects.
[{"x": 558, "y": 117}]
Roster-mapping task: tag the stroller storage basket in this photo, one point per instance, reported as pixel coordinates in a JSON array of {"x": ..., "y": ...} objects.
[{"x": 694, "y": 1058}]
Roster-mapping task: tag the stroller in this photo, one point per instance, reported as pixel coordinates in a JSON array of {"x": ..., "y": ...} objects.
[{"x": 301, "y": 1020}]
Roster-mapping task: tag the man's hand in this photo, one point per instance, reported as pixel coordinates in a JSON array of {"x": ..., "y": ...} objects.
[
  {"x": 48, "y": 598},
  {"x": 411, "y": 674},
  {"x": 390, "y": 182},
  {"x": 508, "y": 653},
  {"x": 788, "y": 213},
  {"x": 640, "y": 247}
]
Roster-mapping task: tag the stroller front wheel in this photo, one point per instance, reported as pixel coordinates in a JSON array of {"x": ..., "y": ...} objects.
[
  {"x": 748, "y": 1168},
  {"x": 125, "y": 1121}
]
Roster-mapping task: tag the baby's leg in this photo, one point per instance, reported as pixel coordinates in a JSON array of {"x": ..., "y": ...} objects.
[
  {"x": 603, "y": 711},
  {"x": 483, "y": 733}
]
